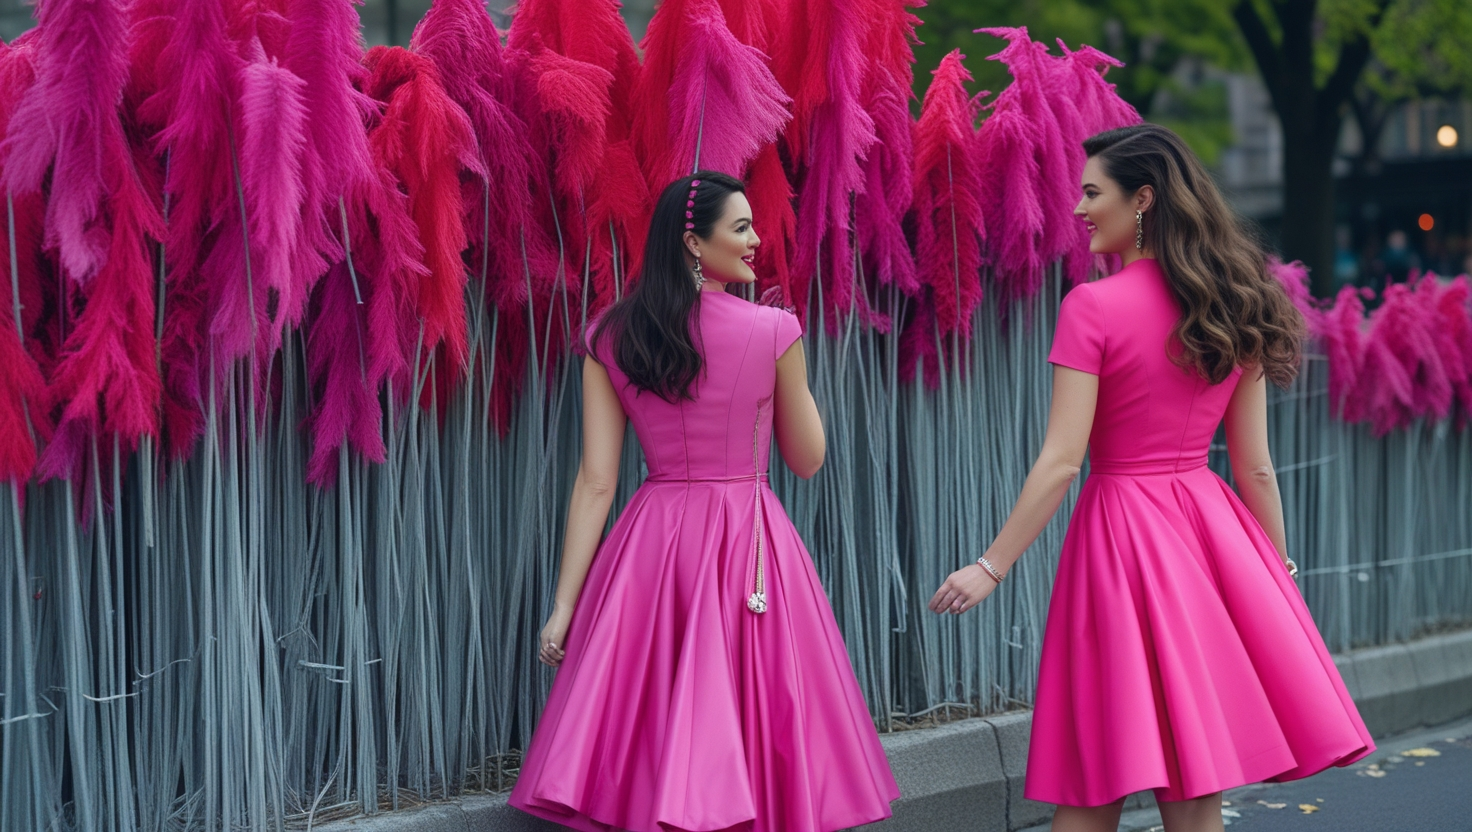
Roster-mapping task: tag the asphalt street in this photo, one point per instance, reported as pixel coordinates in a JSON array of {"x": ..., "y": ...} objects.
[{"x": 1417, "y": 782}]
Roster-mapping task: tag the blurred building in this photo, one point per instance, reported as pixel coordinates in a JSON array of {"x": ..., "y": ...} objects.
[{"x": 1415, "y": 178}]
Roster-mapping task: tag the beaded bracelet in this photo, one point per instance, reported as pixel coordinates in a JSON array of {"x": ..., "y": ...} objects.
[{"x": 990, "y": 570}]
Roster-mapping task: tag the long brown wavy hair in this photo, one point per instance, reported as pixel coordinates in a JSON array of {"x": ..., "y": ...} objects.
[{"x": 1235, "y": 313}]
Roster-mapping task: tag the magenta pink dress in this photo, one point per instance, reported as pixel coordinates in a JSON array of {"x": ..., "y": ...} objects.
[
  {"x": 1179, "y": 656},
  {"x": 677, "y": 707}
]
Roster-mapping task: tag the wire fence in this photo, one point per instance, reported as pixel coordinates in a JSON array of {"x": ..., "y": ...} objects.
[{"x": 222, "y": 646}]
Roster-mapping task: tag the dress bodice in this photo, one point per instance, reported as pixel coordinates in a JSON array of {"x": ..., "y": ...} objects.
[
  {"x": 1153, "y": 416},
  {"x": 724, "y": 432}
]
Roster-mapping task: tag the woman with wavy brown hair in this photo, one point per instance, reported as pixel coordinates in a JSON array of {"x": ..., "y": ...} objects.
[{"x": 1179, "y": 655}]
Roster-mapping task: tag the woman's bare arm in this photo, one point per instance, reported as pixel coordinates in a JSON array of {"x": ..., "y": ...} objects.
[
  {"x": 1070, "y": 419},
  {"x": 1252, "y": 463},
  {"x": 592, "y": 497},
  {"x": 797, "y": 424}
]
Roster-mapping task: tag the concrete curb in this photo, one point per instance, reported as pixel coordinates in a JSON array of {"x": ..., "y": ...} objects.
[{"x": 969, "y": 774}]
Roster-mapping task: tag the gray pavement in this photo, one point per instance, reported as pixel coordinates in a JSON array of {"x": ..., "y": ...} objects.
[{"x": 1416, "y": 782}]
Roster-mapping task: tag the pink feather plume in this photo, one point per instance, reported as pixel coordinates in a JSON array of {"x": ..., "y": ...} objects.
[
  {"x": 1029, "y": 188},
  {"x": 272, "y": 140},
  {"x": 66, "y": 125}
]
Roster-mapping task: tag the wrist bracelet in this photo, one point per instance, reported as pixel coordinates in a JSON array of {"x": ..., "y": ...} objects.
[
  {"x": 990, "y": 570},
  {"x": 1292, "y": 567}
]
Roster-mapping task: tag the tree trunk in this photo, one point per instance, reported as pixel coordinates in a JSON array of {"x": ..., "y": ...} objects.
[
  {"x": 1308, "y": 201},
  {"x": 1311, "y": 116}
]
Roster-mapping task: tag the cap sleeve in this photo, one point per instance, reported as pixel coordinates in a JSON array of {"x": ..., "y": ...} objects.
[
  {"x": 589, "y": 348},
  {"x": 1079, "y": 341},
  {"x": 789, "y": 329}
]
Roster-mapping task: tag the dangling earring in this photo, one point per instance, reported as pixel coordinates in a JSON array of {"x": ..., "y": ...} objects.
[
  {"x": 699, "y": 275},
  {"x": 1139, "y": 231}
]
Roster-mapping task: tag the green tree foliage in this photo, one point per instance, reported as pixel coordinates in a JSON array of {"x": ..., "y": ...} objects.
[{"x": 1164, "y": 44}]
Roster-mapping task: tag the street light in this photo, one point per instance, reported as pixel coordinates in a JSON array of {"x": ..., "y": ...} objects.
[{"x": 1447, "y": 136}]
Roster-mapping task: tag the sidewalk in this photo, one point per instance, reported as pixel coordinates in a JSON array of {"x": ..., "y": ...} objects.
[{"x": 968, "y": 775}]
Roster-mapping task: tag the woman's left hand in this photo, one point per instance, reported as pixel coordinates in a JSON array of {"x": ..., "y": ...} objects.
[{"x": 964, "y": 589}]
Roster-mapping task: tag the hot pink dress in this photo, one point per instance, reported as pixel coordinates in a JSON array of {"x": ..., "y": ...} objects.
[
  {"x": 677, "y": 707},
  {"x": 1179, "y": 656}
]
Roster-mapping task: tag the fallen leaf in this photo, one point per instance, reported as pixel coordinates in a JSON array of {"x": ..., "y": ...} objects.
[
  {"x": 1371, "y": 772},
  {"x": 1231, "y": 813},
  {"x": 1308, "y": 808},
  {"x": 1422, "y": 752},
  {"x": 1273, "y": 805},
  {"x": 1396, "y": 760},
  {"x": 1419, "y": 763},
  {"x": 1320, "y": 799},
  {"x": 1226, "y": 803}
]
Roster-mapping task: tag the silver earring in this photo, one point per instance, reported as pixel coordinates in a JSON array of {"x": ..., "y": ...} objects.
[
  {"x": 699, "y": 275},
  {"x": 1139, "y": 231}
]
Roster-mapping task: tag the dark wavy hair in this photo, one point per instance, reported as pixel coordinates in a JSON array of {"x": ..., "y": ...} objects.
[
  {"x": 652, "y": 340},
  {"x": 1235, "y": 313}
]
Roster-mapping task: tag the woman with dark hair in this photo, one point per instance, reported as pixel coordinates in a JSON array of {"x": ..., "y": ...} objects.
[
  {"x": 1179, "y": 655},
  {"x": 702, "y": 681}
]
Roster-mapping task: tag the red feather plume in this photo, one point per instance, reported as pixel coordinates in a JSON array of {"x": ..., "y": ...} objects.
[
  {"x": 425, "y": 139},
  {"x": 948, "y": 216}
]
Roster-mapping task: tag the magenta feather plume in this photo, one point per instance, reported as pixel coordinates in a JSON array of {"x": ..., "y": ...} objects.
[
  {"x": 888, "y": 185},
  {"x": 107, "y": 379},
  {"x": 24, "y": 406},
  {"x": 1386, "y": 383},
  {"x": 1098, "y": 103},
  {"x": 1454, "y": 311},
  {"x": 724, "y": 103},
  {"x": 325, "y": 50},
  {"x": 347, "y": 409},
  {"x": 426, "y": 140},
  {"x": 948, "y": 219},
  {"x": 67, "y": 126},
  {"x": 1011, "y": 205},
  {"x": 1293, "y": 277},
  {"x": 1410, "y": 327},
  {"x": 1342, "y": 328},
  {"x": 1029, "y": 222},
  {"x": 272, "y": 140}
]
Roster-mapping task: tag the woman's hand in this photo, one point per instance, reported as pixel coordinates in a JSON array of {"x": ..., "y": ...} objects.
[
  {"x": 964, "y": 589},
  {"x": 553, "y": 638}
]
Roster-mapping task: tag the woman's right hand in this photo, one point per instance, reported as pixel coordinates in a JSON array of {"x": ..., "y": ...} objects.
[{"x": 553, "y": 638}]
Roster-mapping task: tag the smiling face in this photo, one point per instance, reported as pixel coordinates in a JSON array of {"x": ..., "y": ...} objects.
[
  {"x": 1109, "y": 213},
  {"x": 726, "y": 256}
]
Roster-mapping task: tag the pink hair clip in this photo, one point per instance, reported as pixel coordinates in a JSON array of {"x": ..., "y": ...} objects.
[{"x": 690, "y": 205}]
